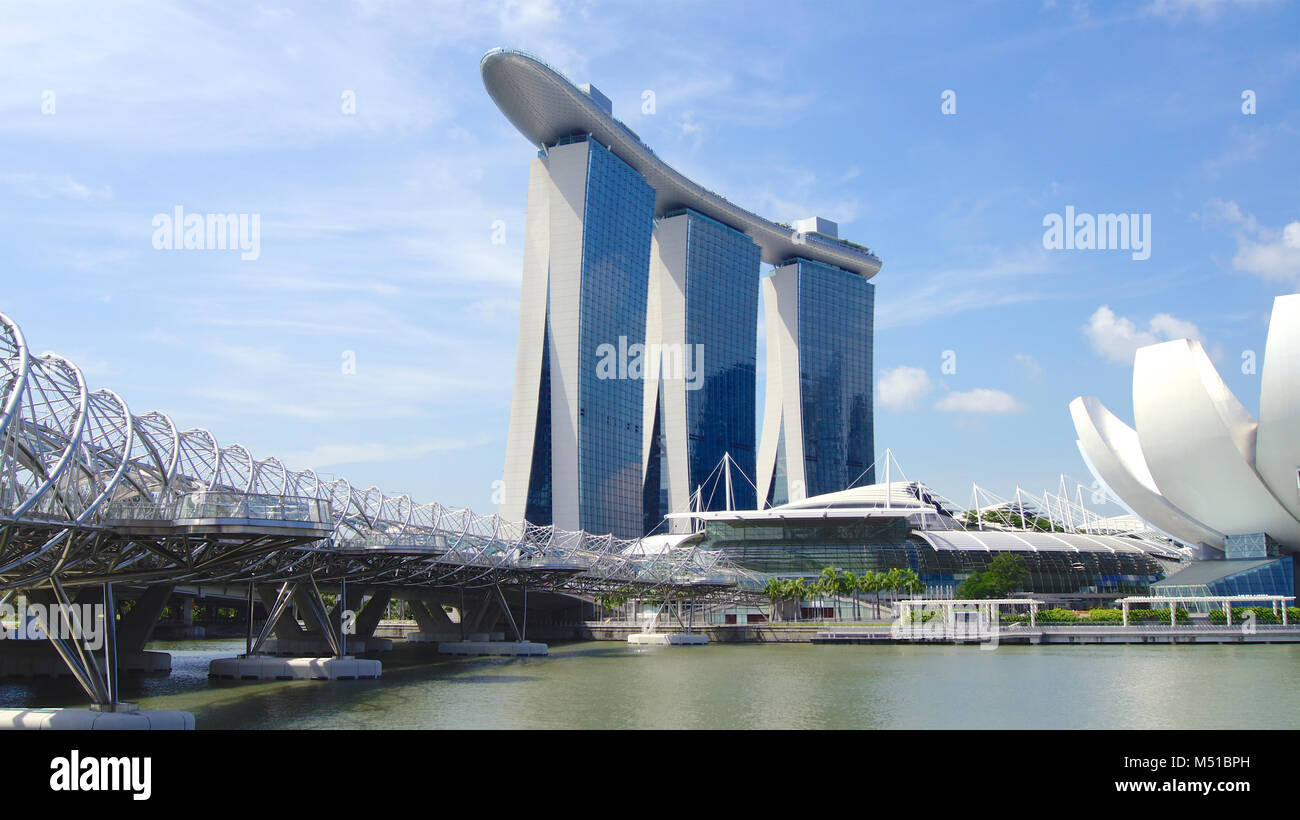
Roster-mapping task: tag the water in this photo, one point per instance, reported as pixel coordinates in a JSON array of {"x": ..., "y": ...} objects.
[{"x": 607, "y": 685}]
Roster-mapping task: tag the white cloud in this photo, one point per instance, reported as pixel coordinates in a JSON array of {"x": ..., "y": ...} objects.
[
  {"x": 494, "y": 310},
  {"x": 1205, "y": 10},
  {"x": 1031, "y": 365},
  {"x": 1262, "y": 251},
  {"x": 331, "y": 455},
  {"x": 979, "y": 400},
  {"x": 1008, "y": 279},
  {"x": 902, "y": 387},
  {"x": 195, "y": 79},
  {"x": 1117, "y": 338},
  {"x": 47, "y": 187}
]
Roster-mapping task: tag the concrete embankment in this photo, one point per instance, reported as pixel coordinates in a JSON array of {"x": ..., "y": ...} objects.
[
  {"x": 823, "y": 633},
  {"x": 731, "y": 633}
]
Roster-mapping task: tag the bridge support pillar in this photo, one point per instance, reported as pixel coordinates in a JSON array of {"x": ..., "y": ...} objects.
[
  {"x": 434, "y": 624},
  {"x": 78, "y": 636},
  {"x": 494, "y": 608},
  {"x": 312, "y": 608},
  {"x": 338, "y": 666},
  {"x": 353, "y": 595},
  {"x": 39, "y": 658},
  {"x": 368, "y": 618},
  {"x": 283, "y": 627},
  {"x": 136, "y": 627},
  {"x": 484, "y": 616}
]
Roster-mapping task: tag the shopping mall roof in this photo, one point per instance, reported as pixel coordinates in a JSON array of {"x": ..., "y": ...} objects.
[{"x": 1031, "y": 541}]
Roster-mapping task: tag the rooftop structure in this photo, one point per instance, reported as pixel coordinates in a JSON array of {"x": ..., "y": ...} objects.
[{"x": 546, "y": 106}]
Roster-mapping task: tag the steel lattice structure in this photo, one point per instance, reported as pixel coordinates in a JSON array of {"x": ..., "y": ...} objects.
[{"x": 91, "y": 493}]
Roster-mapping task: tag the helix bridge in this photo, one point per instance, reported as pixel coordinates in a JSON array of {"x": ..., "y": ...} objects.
[{"x": 93, "y": 494}]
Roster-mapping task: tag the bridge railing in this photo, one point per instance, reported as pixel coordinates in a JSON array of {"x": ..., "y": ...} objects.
[{"x": 220, "y": 504}]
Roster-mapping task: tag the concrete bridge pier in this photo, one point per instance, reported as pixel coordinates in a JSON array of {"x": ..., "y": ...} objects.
[
  {"x": 433, "y": 622},
  {"x": 29, "y": 655},
  {"x": 492, "y": 610},
  {"x": 368, "y": 618},
  {"x": 84, "y": 628},
  {"x": 317, "y": 653}
]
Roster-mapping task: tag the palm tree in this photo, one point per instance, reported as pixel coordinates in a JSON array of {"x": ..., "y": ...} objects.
[
  {"x": 912, "y": 583},
  {"x": 849, "y": 586},
  {"x": 844, "y": 584},
  {"x": 894, "y": 580},
  {"x": 871, "y": 582},
  {"x": 773, "y": 589},
  {"x": 798, "y": 590},
  {"x": 828, "y": 583}
]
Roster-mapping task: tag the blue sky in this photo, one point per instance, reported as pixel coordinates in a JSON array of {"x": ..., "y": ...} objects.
[{"x": 376, "y": 227}]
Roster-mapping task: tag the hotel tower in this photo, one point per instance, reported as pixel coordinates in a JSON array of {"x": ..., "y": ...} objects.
[{"x": 635, "y": 379}]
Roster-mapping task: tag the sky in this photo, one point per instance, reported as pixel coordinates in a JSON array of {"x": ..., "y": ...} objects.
[{"x": 373, "y": 336}]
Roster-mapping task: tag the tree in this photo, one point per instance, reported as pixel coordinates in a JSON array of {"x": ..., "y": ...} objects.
[
  {"x": 1005, "y": 574},
  {"x": 797, "y": 589},
  {"x": 830, "y": 582},
  {"x": 1011, "y": 520},
  {"x": 907, "y": 581},
  {"x": 849, "y": 586},
  {"x": 609, "y": 602},
  {"x": 871, "y": 582},
  {"x": 894, "y": 580},
  {"x": 776, "y": 590}
]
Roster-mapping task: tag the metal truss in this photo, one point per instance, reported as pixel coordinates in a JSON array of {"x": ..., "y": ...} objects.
[{"x": 93, "y": 494}]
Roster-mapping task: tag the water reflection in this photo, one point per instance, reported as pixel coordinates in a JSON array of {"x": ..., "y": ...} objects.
[{"x": 609, "y": 685}]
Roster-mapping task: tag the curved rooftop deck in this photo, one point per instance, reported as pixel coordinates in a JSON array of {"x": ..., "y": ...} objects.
[{"x": 546, "y": 106}]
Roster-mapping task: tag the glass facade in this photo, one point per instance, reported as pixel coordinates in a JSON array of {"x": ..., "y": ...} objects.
[
  {"x": 1275, "y": 577},
  {"x": 836, "y": 318},
  {"x": 722, "y": 270},
  {"x": 617, "y": 220},
  {"x": 722, "y": 275},
  {"x": 793, "y": 547},
  {"x": 538, "y": 508},
  {"x": 655, "y": 499},
  {"x": 1252, "y": 545}
]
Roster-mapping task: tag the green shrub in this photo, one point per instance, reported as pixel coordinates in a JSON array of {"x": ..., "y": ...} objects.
[
  {"x": 1057, "y": 616},
  {"x": 1104, "y": 616},
  {"x": 1263, "y": 615},
  {"x": 1161, "y": 615}
]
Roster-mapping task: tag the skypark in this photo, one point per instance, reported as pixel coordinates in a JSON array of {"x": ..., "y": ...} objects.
[{"x": 547, "y": 107}]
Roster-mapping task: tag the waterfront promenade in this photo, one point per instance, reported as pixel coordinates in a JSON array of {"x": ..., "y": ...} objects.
[{"x": 880, "y": 632}]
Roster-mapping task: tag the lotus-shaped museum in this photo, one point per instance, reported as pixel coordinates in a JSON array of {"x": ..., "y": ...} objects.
[{"x": 1198, "y": 466}]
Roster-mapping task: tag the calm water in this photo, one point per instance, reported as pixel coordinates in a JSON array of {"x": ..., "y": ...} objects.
[{"x": 608, "y": 685}]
